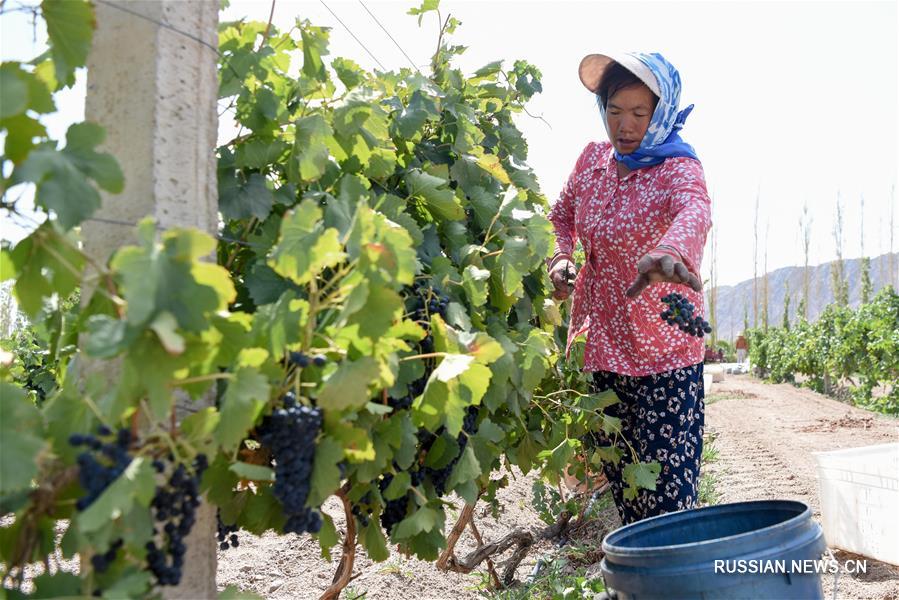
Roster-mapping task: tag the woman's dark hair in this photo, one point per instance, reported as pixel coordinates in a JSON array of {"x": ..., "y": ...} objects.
[{"x": 614, "y": 78}]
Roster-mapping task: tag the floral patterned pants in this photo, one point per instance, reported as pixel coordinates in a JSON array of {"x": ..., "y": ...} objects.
[{"x": 662, "y": 417}]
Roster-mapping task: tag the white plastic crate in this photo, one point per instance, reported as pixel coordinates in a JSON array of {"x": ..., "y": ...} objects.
[
  {"x": 707, "y": 379},
  {"x": 859, "y": 492}
]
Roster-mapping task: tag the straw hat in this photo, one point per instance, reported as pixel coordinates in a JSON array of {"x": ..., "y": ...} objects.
[{"x": 594, "y": 65}]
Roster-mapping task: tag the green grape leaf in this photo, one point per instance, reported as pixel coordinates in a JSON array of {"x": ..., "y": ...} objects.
[
  {"x": 327, "y": 536},
  {"x": 253, "y": 472},
  {"x": 310, "y": 153},
  {"x": 315, "y": 45},
  {"x": 384, "y": 249},
  {"x": 491, "y": 164},
  {"x": 466, "y": 469},
  {"x": 373, "y": 541},
  {"x": 135, "y": 484},
  {"x": 489, "y": 69},
  {"x": 399, "y": 485},
  {"x": 598, "y": 401},
  {"x": 474, "y": 282},
  {"x": 611, "y": 425},
  {"x": 265, "y": 285},
  {"x": 70, "y": 27},
  {"x": 304, "y": 248},
  {"x": 262, "y": 511},
  {"x": 166, "y": 329},
  {"x": 423, "y": 520},
  {"x": 62, "y": 176},
  {"x": 106, "y": 336},
  {"x": 7, "y": 267},
  {"x": 131, "y": 583},
  {"x": 640, "y": 475},
  {"x": 426, "y": 6},
  {"x": 199, "y": 427},
  {"x": 559, "y": 458},
  {"x": 21, "y": 438},
  {"x": 57, "y": 585},
  {"x": 13, "y": 91},
  {"x": 452, "y": 365},
  {"x": 533, "y": 358},
  {"x": 356, "y": 442},
  {"x": 442, "y": 203},
  {"x": 325, "y": 474},
  {"x": 21, "y": 130},
  {"x": 381, "y": 164},
  {"x": 347, "y": 387},
  {"x": 173, "y": 279},
  {"x": 411, "y": 119},
  {"x": 47, "y": 263},
  {"x": 219, "y": 480},
  {"x": 349, "y": 73},
  {"x": 277, "y": 325},
  {"x": 609, "y": 454},
  {"x": 243, "y": 402},
  {"x": 244, "y": 199}
]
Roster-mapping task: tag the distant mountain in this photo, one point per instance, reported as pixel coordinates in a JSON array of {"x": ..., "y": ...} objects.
[{"x": 733, "y": 298}]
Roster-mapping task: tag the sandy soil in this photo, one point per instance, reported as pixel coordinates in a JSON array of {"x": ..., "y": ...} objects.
[
  {"x": 765, "y": 437},
  {"x": 290, "y": 567}
]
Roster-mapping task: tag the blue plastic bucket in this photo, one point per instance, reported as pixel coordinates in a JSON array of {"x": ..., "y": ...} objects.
[{"x": 760, "y": 547}]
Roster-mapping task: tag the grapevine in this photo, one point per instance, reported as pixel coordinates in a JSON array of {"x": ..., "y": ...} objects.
[{"x": 378, "y": 324}]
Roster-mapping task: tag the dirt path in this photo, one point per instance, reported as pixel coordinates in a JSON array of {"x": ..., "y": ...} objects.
[{"x": 765, "y": 438}]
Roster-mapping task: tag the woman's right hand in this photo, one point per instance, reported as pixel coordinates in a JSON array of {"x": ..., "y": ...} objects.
[{"x": 562, "y": 276}]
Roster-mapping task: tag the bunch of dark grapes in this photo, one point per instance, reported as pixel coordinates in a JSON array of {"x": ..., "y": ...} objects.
[
  {"x": 175, "y": 511},
  {"x": 289, "y": 433},
  {"x": 680, "y": 313},
  {"x": 413, "y": 390},
  {"x": 303, "y": 360},
  {"x": 101, "y": 562},
  {"x": 227, "y": 534},
  {"x": 394, "y": 510},
  {"x": 427, "y": 301},
  {"x": 440, "y": 476},
  {"x": 101, "y": 463}
]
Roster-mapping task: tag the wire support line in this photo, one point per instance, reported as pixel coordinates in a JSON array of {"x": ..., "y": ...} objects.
[
  {"x": 411, "y": 62},
  {"x": 160, "y": 23},
  {"x": 383, "y": 68}
]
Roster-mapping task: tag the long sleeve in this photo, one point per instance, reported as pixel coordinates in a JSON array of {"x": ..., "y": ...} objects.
[
  {"x": 562, "y": 212},
  {"x": 690, "y": 209}
]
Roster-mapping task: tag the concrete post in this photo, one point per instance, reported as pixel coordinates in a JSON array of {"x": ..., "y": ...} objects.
[{"x": 153, "y": 84}]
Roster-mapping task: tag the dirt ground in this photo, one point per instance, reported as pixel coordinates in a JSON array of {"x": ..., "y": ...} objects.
[
  {"x": 290, "y": 567},
  {"x": 765, "y": 435},
  {"x": 765, "y": 438}
]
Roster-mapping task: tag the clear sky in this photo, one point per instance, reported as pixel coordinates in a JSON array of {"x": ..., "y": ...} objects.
[{"x": 795, "y": 101}]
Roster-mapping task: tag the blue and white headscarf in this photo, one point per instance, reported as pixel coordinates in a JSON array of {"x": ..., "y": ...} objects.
[{"x": 662, "y": 139}]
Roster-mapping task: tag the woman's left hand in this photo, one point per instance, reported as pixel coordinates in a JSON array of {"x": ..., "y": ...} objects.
[{"x": 660, "y": 266}]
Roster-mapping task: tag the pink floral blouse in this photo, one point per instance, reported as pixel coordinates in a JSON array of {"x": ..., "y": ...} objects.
[{"x": 618, "y": 221}]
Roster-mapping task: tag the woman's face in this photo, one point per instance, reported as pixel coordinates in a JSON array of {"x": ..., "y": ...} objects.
[{"x": 628, "y": 114}]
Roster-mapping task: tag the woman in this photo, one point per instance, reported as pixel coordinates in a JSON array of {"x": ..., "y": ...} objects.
[{"x": 640, "y": 208}]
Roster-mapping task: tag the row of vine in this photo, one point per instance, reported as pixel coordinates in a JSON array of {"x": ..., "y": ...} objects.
[{"x": 858, "y": 345}]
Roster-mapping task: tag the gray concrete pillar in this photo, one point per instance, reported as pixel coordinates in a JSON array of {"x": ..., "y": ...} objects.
[{"x": 153, "y": 84}]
